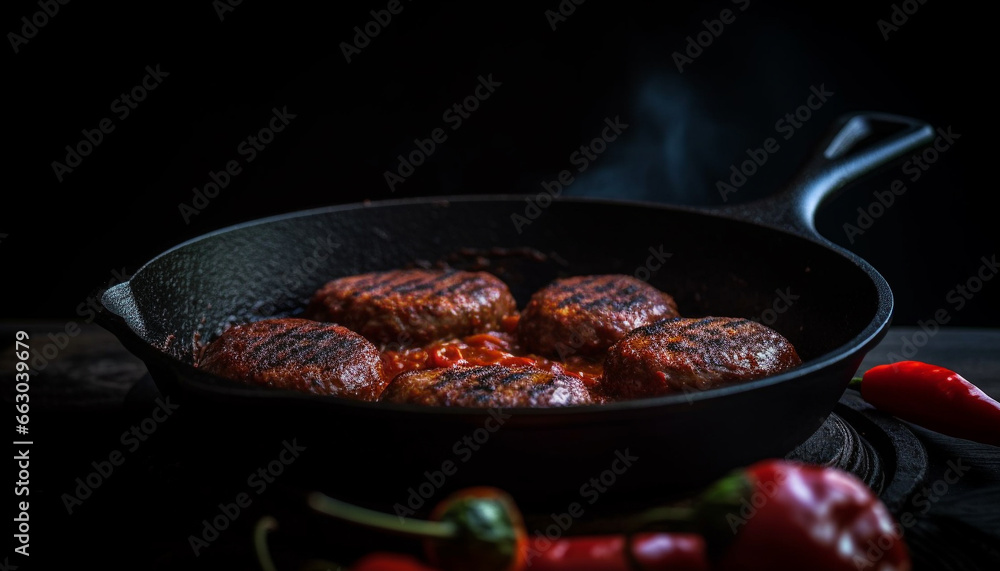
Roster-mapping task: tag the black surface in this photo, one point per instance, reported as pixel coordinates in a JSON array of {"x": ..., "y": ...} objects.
[
  {"x": 168, "y": 485},
  {"x": 353, "y": 119},
  {"x": 59, "y": 240}
]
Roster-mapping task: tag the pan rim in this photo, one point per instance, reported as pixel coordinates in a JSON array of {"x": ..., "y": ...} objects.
[{"x": 862, "y": 342}]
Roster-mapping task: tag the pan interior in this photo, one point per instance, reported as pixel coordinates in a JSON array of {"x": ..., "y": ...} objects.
[{"x": 815, "y": 296}]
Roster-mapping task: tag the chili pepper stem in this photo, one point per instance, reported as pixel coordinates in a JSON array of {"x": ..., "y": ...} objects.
[
  {"x": 264, "y": 525},
  {"x": 370, "y": 518},
  {"x": 855, "y": 383},
  {"x": 673, "y": 517}
]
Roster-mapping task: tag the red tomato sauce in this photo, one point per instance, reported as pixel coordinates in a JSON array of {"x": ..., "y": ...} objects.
[{"x": 493, "y": 348}]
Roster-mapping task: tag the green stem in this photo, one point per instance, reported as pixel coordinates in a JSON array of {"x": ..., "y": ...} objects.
[
  {"x": 264, "y": 525},
  {"x": 673, "y": 518},
  {"x": 378, "y": 520},
  {"x": 855, "y": 384}
]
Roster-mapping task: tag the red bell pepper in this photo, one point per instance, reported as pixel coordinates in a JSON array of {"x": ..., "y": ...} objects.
[
  {"x": 779, "y": 515},
  {"x": 775, "y": 515}
]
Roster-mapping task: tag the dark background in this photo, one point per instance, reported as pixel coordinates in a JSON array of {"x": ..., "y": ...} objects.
[
  {"x": 59, "y": 241},
  {"x": 120, "y": 206}
]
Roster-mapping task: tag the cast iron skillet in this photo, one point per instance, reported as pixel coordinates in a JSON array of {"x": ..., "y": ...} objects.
[{"x": 761, "y": 260}]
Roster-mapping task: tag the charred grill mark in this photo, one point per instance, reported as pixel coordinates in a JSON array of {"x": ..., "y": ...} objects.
[
  {"x": 590, "y": 314},
  {"x": 298, "y": 354},
  {"x": 692, "y": 336},
  {"x": 469, "y": 286},
  {"x": 421, "y": 282},
  {"x": 418, "y": 305},
  {"x": 701, "y": 353},
  {"x": 616, "y": 303},
  {"x": 398, "y": 284},
  {"x": 411, "y": 287},
  {"x": 482, "y": 397},
  {"x": 608, "y": 286},
  {"x": 542, "y": 388},
  {"x": 513, "y": 377},
  {"x": 455, "y": 376},
  {"x": 628, "y": 290},
  {"x": 489, "y": 385},
  {"x": 572, "y": 299},
  {"x": 299, "y": 343},
  {"x": 575, "y": 284},
  {"x": 368, "y": 284},
  {"x": 676, "y": 346}
]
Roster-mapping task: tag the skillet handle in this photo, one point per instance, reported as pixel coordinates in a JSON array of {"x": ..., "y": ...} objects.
[{"x": 857, "y": 145}]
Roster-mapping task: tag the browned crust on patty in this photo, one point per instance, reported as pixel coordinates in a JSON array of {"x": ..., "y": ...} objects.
[
  {"x": 684, "y": 355},
  {"x": 404, "y": 307},
  {"x": 585, "y": 315},
  {"x": 298, "y": 354},
  {"x": 487, "y": 386}
]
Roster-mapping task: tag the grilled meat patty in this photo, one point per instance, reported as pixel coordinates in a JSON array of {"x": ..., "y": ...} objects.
[
  {"x": 298, "y": 354},
  {"x": 404, "y": 307},
  {"x": 487, "y": 386},
  {"x": 585, "y": 315},
  {"x": 684, "y": 355}
]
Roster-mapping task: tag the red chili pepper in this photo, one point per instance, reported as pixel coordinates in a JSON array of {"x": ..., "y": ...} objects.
[
  {"x": 779, "y": 515},
  {"x": 933, "y": 397},
  {"x": 475, "y": 528},
  {"x": 389, "y": 562},
  {"x": 775, "y": 515},
  {"x": 490, "y": 532},
  {"x": 652, "y": 552}
]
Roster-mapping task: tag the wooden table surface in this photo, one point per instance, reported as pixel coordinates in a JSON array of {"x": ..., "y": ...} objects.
[{"x": 79, "y": 410}]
